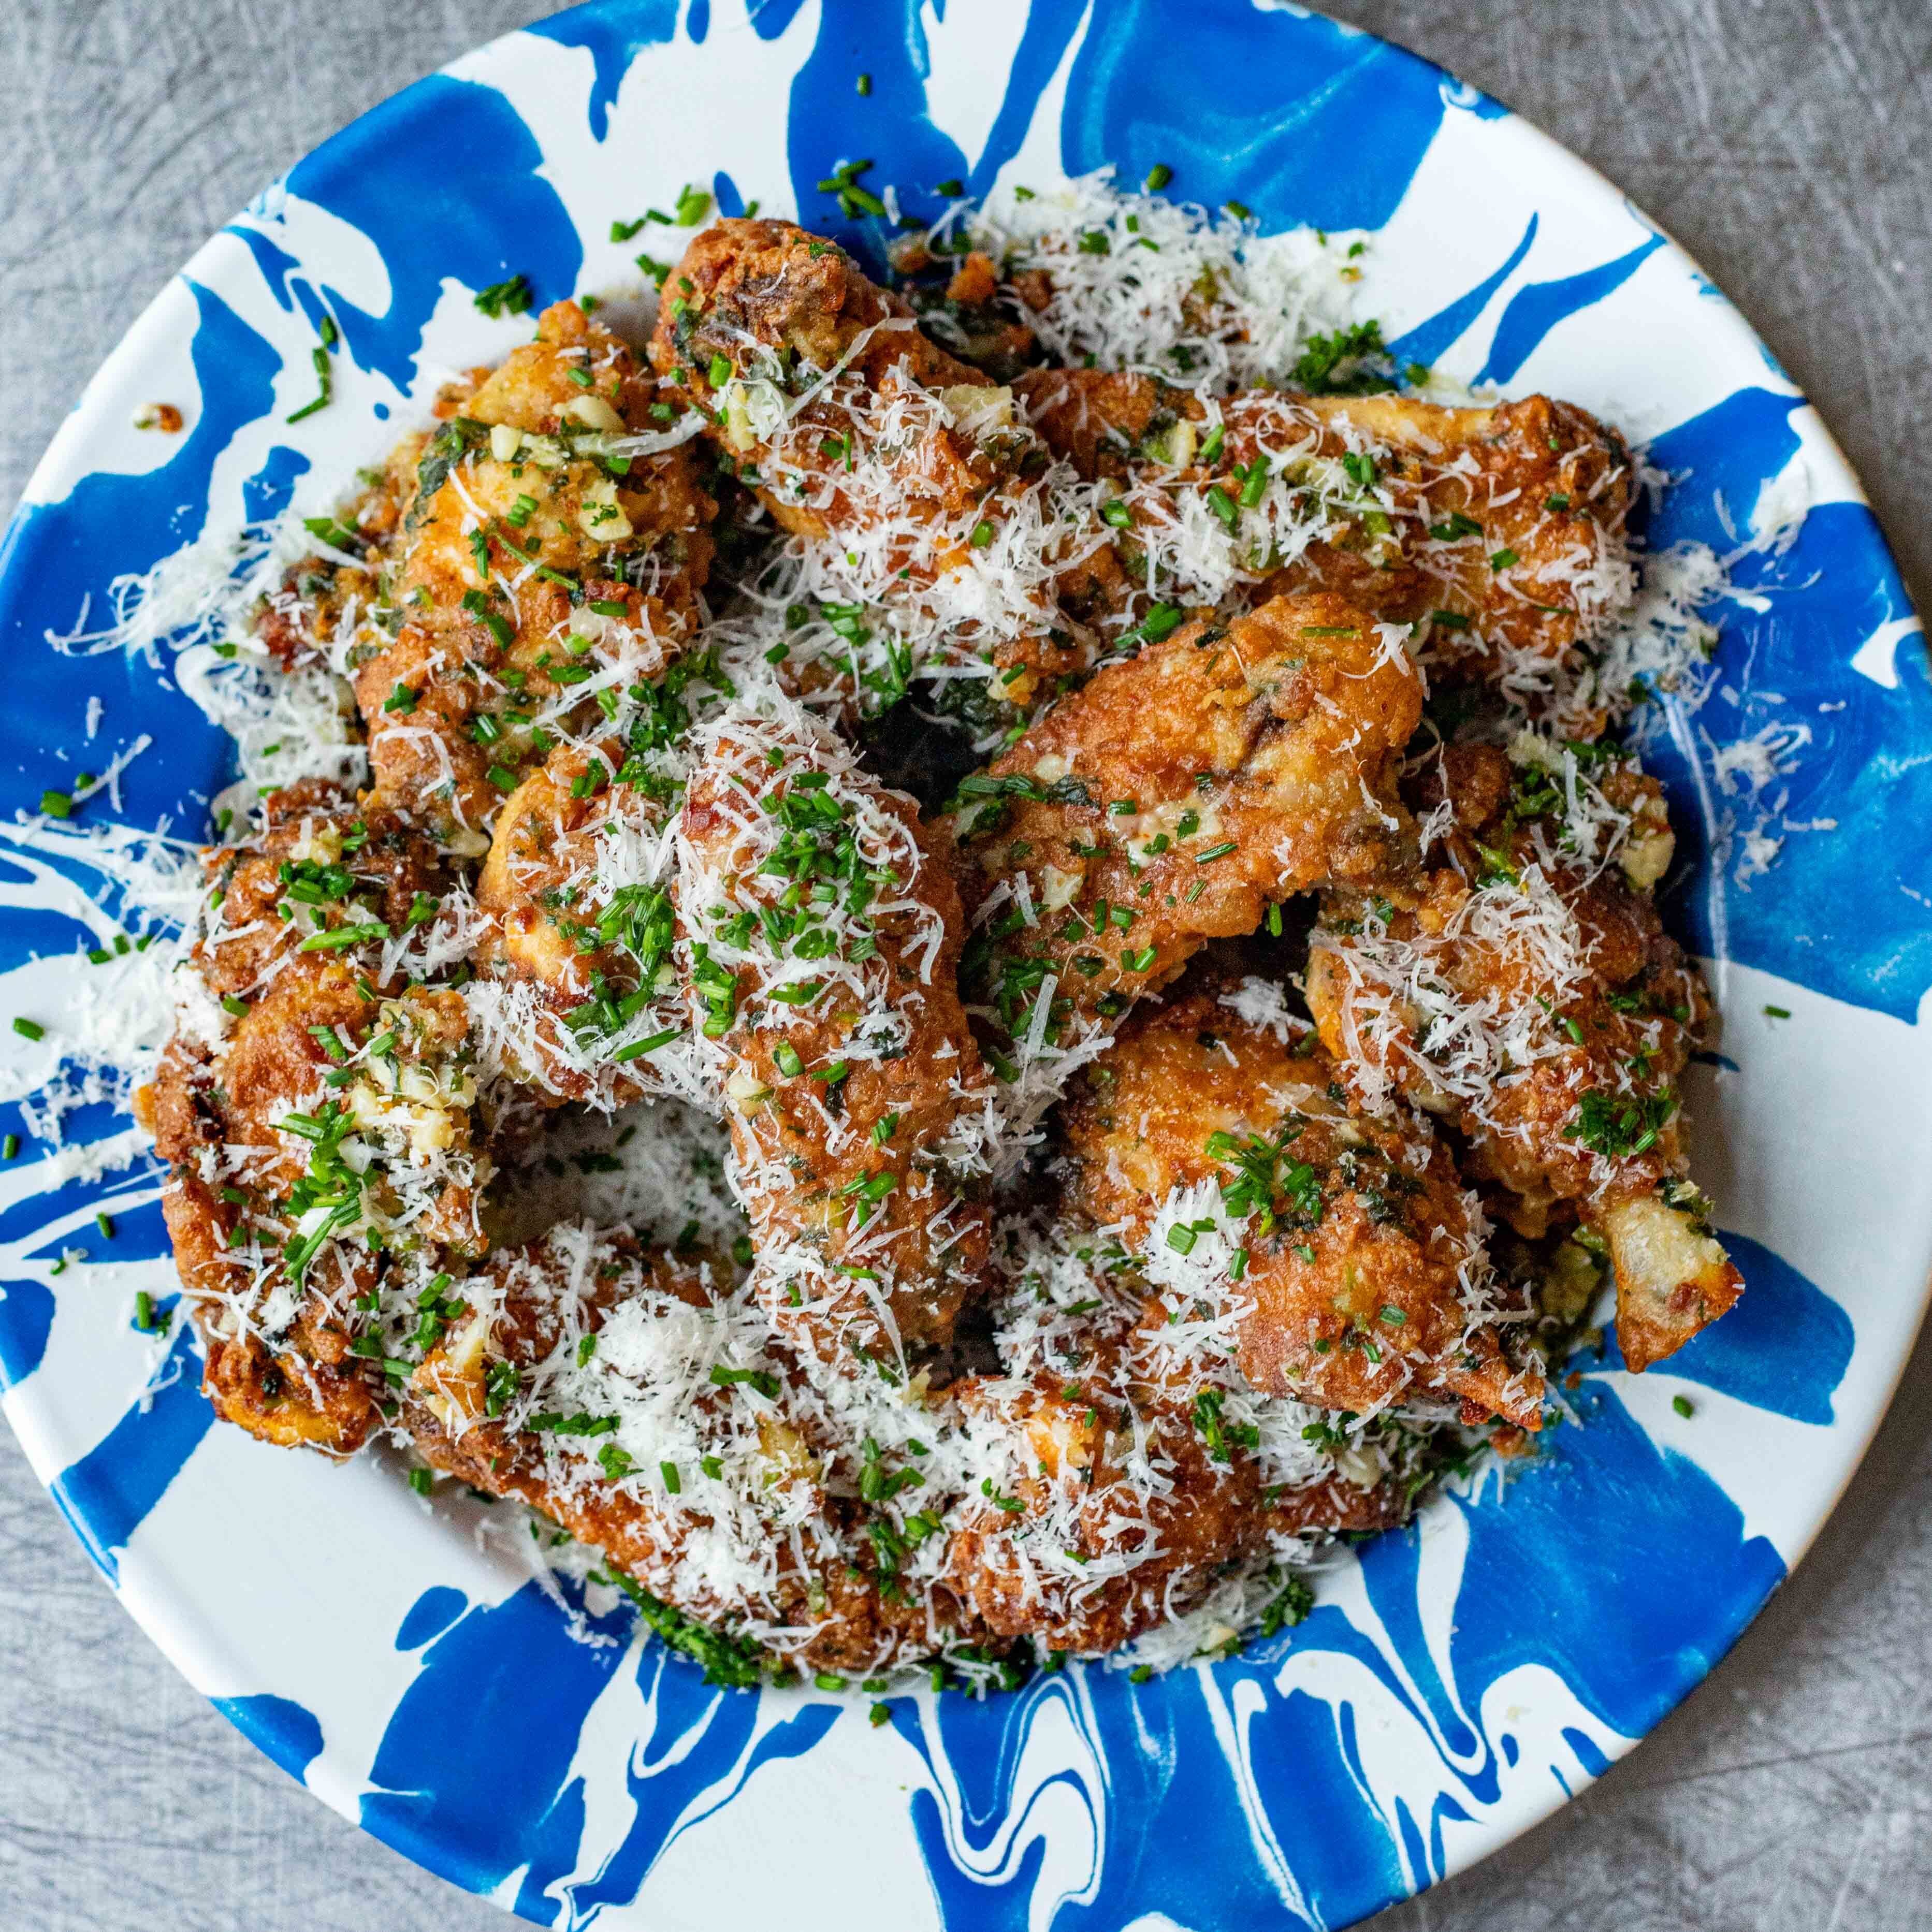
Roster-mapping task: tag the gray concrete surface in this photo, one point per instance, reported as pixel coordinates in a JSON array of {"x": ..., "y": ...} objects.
[{"x": 1784, "y": 143}]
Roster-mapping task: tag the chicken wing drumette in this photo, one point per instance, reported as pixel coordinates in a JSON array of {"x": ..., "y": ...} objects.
[
  {"x": 1533, "y": 998},
  {"x": 315, "y": 1105},
  {"x": 934, "y": 533}
]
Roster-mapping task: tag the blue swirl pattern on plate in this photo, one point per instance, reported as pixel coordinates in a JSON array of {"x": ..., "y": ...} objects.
[{"x": 1458, "y": 1679}]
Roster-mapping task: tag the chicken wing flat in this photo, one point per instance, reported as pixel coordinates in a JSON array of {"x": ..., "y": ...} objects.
[
  {"x": 1358, "y": 1258},
  {"x": 1173, "y": 800},
  {"x": 579, "y": 993},
  {"x": 1130, "y": 1471},
  {"x": 1498, "y": 532},
  {"x": 922, "y": 504},
  {"x": 824, "y": 934},
  {"x": 1533, "y": 998},
  {"x": 633, "y": 1395},
  {"x": 315, "y": 1107},
  {"x": 554, "y": 555}
]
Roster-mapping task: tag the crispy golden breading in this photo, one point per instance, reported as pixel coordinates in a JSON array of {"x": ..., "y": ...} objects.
[
  {"x": 1176, "y": 797},
  {"x": 1499, "y": 528},
  {"x": 770, "y": 286},
  {"x": 1365, "y": 1266},
  {"x": 299, "y": 1051},
  {"x": 534, "y": 567},
  {"x": 825, "y": 934},
  {"x": 323, "y": 599},
  {"x": 576, "y": 896},
  {"x": 859, "y": 431},
  {"x": 1119, "y": 1513},
  {"x": 1139, "y": 1554},
  {"x": 1533, "y": 998},
  {"x": 551, "y": 1307}
]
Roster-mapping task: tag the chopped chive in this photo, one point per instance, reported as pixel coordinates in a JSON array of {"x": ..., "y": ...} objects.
[
  {"x": 325, "y": 376},
  {"x": 56, "y": 804},
  {"x": 1683, "y": 1405},
  {"x": 423, "y": 1481},
  {"x": 105, "y": 1223},
  {"x": 1220, "y": 851},
  {"x": 513, "y": 297},
  {"x": 865, "y": 85},
  {"x": 478, "y": 606},
  {"x": 1158, "y": 176},
  {"x": 10, "y": 1147},
  {"x": 30, "y": 1029},
  {"x": 638, "y": 1048},
  {"x": 673, "y": 1483},
  {"x": 342, "y": 937},
  {"x": 1778, "y": 1012}
]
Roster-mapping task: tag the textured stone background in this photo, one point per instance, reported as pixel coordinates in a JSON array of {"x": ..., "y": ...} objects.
[{"x": 1776, "y": 138}]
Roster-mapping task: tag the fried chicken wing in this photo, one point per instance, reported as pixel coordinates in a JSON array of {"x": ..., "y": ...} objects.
[
  {"x": 824, "y": 933},
  {"x": 1363, "y": 1276},
  {"x": 315, "y": 1106},
  {"x": 579, "y": 990},
  {"x": 1533, "y": 998},
  {"x": 1131, "y": 1469},
  {"x": 633, "y": 1396},
  {"x": 1173, "y": 799},
  {"x": 1498, "y": 531},
  {"x": 935, "y": 531},
  {"x": 554, "y": 552}
]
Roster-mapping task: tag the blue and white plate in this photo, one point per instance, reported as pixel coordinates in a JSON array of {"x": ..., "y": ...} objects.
[{"x": 1458, "y": 1680}]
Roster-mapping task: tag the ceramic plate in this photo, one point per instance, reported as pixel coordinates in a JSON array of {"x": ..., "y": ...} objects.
[{"x": 1458, "y": 1680}]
